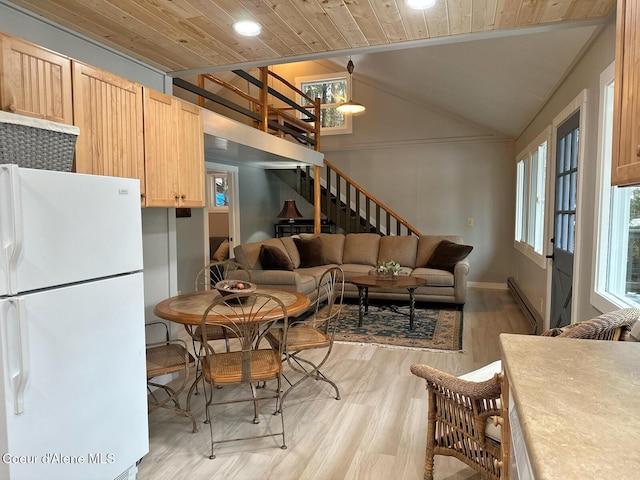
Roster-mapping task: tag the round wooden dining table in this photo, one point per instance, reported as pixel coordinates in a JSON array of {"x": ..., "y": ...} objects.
[{"x": 188, "y": 308}]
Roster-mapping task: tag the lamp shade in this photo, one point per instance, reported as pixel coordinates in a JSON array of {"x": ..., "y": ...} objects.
[
  {"x": 289, "y": 210},
  {"x": 351, "y": 107}
]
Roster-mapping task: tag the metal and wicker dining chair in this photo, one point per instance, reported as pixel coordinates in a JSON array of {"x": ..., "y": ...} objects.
[
  {"x": 247, "y": 317},
  {"x": 313, "y": 333},
  {"x": 215, "y": 272},
  {"x": 163, "y": 358},
  {"x": 206, "y": 279},
  {"x": 461, "y": 410}
]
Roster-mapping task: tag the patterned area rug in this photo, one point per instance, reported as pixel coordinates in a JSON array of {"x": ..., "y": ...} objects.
[{"x": 386, "y": 324}]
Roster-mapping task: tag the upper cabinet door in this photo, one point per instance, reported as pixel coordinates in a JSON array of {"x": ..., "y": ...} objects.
[
  {"x": 174, "y": 151},
  {"x": 190, "y": 154},
  {"x": 626, "y": 124},
  {"x": 161, "y": 149},
  {"x": 34, "y": 81},
  {"x": 108, "y": 110}
]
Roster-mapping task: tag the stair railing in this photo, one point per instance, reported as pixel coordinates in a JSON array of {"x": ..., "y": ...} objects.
[{"x": 351, "y": 207}]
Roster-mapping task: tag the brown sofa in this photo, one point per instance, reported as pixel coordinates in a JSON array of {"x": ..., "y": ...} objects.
[{"x": 358, "y": 254}]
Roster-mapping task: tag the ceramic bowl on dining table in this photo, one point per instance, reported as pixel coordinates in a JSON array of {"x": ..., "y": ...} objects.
[{"x": 231, "y": 287}]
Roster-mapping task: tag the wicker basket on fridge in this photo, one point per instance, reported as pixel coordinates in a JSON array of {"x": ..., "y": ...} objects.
[{"x": 35, "y": 143}]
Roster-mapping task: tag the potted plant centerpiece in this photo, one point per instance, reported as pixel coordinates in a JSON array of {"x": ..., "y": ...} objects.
[{"x": 387, "y": 270}]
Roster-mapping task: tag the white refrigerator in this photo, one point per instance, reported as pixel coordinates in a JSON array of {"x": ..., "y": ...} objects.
[{"x": 73, "y": 401}]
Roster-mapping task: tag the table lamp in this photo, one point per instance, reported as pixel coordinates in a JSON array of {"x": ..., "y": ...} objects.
[{"x": 290, "y": 211}]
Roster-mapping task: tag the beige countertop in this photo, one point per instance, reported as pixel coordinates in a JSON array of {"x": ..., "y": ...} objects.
[{"x": 578, "y": 403}]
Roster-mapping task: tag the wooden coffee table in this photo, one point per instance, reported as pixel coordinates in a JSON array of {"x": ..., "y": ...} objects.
[{"x": 371, "y": 281}]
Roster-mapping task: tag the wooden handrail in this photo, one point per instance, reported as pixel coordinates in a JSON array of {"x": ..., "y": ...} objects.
[
  {"x": 366, "y": 194},
  {"x": 233, "y": 88}
]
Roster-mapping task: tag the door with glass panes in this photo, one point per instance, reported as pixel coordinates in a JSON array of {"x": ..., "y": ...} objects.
[{"x": 564, "y": 232}]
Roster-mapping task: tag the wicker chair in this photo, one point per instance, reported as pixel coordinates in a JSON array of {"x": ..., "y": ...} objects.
[
  {"x": 313, "y": 333},
  {"x": 246, "y": 317},
  {"x": 163, "y": 358},
  {"x": 206, "y": 279},
  {"x": 461, "y": 409}
]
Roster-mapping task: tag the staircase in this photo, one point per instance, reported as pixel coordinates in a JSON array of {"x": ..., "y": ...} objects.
[{"x": 348, "y": 206}]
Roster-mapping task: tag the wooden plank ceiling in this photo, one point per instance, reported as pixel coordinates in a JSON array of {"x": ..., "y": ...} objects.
[{"x": 179, "y": 35}]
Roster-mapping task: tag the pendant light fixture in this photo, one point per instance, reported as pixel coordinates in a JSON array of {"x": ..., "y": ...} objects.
[{"x": 350, "y": 106}]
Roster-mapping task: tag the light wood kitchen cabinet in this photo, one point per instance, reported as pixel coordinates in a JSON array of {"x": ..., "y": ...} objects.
[
  {"x": 108, "y": 111},
  {"x": 35, "y": 81},
  {"x": 626, "y": 124},
  {"x": 174, "y": 152},
  {"x": 190, "y": 154}
]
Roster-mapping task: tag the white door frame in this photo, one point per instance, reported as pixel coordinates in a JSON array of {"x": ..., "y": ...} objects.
[{"x": 234, "y": 204}]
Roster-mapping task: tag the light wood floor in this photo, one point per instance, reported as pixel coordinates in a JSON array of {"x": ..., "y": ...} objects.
[{"x": 376, "y": 431}]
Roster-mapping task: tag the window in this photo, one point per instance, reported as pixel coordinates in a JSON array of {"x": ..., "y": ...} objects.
[
  {"x": 521, "y": 199},
  {"x": 218, "y": 192},
  {"x": 536, "y": 199},
  {"x": 617, "y": 259},
  {"x": 530, "y": 198},
  {"x": 332, "y": 90}
]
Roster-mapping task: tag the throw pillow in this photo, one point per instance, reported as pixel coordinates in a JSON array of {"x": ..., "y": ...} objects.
[
  {"x": 310, "y": 251},
  {"x": 222, "y": 253},
  {"x": 447, "y": 254},
  {"x": 272, "y": 258}
]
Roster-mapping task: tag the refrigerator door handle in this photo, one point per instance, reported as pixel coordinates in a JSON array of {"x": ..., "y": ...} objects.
[
  {"x": 15, "y": 346},
  {"x": 10, "y": 222}
]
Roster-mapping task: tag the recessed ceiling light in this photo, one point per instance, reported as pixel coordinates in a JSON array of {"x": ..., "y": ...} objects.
[
  {"x": 420, "y": 4},
  {"x": 247, "y": 28}
]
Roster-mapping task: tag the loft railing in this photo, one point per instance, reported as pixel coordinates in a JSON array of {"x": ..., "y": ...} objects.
[
  {"x": 270, "y": 110},
  {"x": 349, "y": 206}
]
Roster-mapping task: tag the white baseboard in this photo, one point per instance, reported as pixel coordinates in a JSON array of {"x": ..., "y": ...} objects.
[{"x": 486, "y": 285}]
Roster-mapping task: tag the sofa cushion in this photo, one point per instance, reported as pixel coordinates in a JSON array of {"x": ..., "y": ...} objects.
[
  {"x": 248, "y": 254},
  {"x": 427, "y": 245},
  {"x": 291, "y": 249},
  {"x": 332, "y": 245},
  {"x": 435, "y": 278},
  {"x": 355, "y": 270},
  {"x": 308, "y": 284},
  {"x": 222, "y": 252},
  {"x": 361, "y": 248},
  {"x": 400, "y": 249},
  {"x": 447, "y": 254},
  {"x": 273, "y": 258},
  {"x": 310, "y": 251}
]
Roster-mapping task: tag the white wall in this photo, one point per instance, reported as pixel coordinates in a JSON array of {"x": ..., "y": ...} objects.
[
  {"x": 160, "y": 267},
  {"x": 259, "y": 203},
  {"x": 192, "y": 253},
  {"x": 585, "y": 75}
]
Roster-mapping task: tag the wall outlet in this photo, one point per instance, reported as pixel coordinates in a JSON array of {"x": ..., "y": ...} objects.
[
  {"x": 470, "y": 222},
  {"x": 541, "y": 305}
]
